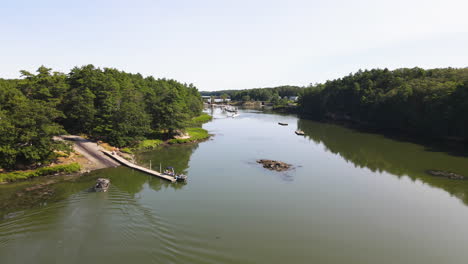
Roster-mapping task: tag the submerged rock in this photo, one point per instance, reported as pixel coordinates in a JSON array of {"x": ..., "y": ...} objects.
[
  {"x": 274, "y": 165},
  {"x": 446, "y": 174}
]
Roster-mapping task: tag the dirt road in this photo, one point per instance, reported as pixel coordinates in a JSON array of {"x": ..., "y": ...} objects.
[{"x": 90, "y": 150}]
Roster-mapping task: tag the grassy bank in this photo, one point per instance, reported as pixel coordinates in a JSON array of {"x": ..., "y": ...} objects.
[
  {"x": 195, "y": 133},
  {"x": 23, "y": 175},
  {"x": 149, "y": 144},
  {"x": 201, "y": 119}
]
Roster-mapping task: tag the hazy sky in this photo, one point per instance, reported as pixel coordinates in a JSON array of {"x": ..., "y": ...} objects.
[{"x": 233, "y": 44}]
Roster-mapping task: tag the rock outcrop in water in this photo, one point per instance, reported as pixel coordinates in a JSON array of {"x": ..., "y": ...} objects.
[
  {"x": 446, "y": 174},
  {"x": 274, "y": 165}
]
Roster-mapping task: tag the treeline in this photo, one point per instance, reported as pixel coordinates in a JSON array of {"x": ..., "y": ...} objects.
[
  {"x": 107, "y": 104},
  {"x": 257, "y": 94},
  {"x": 424, "y": 102}
]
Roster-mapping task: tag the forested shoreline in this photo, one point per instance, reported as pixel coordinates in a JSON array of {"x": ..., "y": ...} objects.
[
  {"x": 258, "y": 94},
  {"x": 428, "y": 103},
  {"x": 106, "y": 104}
]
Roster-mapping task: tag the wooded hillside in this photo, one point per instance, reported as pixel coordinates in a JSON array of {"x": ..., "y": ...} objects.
[
  {"x": 430, "y": 103},
  {"x": 107, "y": 104}
]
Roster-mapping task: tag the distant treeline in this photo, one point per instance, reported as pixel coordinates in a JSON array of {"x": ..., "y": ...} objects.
[
  {"x": 108, "y": 104},
  {"x": 424, "y": 102},
  {"x": 257, "y": 94}
]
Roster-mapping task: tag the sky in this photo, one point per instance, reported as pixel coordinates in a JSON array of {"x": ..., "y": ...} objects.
[{"x": 240, "y": 44}]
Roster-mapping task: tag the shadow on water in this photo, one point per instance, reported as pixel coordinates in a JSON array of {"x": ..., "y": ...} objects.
[
  {"x": 42, "y": 191},
  {"x": 46, "y": 190},
  {"x": 382, "y": 154},
  {"x": 177, "y": 156}
]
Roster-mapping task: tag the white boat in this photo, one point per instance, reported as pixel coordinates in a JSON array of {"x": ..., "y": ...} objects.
[
  {"x": 300, "y": 133},
  {"x": 230, "y": 108}
]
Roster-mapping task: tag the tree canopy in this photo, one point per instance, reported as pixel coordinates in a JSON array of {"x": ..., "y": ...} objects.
[
  {"x": 117, "y": 107},
  {"x": 258, "y": 94},
  {"x": 423, "y": 102}
]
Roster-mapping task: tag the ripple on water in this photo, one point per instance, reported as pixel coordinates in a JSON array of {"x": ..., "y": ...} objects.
[{"x": 96, "y": 225}]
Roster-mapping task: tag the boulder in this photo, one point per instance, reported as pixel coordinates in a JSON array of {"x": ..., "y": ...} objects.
[{"x": 274, "y": 165}]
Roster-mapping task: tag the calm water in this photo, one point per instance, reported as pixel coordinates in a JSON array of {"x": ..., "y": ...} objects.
[{"x": 352, "y": 198}]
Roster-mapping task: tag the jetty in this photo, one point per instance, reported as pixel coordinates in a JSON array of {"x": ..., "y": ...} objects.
[{"x": 139, "y": 168}]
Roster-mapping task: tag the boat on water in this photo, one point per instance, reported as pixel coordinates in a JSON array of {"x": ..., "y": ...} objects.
[
  {"x": 230, "y": 108},
  {"x": 178, "y": 177},
  {"x": 101, "y": 185},
  {"x": 300, "y": 133},
  {"x": 181, "y": 177},
  {"x": 282, "y": 124}
]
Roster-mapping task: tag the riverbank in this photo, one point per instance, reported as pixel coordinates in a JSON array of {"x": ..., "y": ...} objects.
[
  {"x": 44, "y": 171},
  {"x": 332, "y": 167},
  {"x": 88, "y": 157},
  {"x": 194, "y": 133},
  {"x": 396, "y": 133}
]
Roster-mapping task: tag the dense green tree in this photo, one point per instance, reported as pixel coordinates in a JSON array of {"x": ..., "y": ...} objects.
[
  {"x": 258, "y": 94},
  {"x": 26, "y": 129},
  {"x": 423, "y": 102},
  {"x": 108, "y": 104}
]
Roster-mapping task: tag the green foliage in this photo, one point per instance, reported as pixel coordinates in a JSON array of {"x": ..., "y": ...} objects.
[
  {"x": 424, "y": 102},
  {"x": 148, "y": 144},
  {"x": 201, "y": 119},
  {"x": 27, "y": 126},
  {"x": 257, "y": 94},
  {"x": 128, "y": 107},
  {"x": 195, "y": 133},
  {"x": 107, "y": 104},
  {"x": 126, "y": 150},
  {"x": 23, "y": 175}
]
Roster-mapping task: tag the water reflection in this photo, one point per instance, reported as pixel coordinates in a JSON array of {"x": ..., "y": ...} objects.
[
  {"x": 177, "y": 156},
  {"x": 381, "y": 154},
  {"x": 41, "y": 192}
]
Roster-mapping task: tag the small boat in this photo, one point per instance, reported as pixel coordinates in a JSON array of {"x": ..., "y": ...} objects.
[
  {"x": 300, "y": 132},
  {"x": 102, "y": 185},
  {"x": 181, "y": 177},
  {"x": 169, "y": 171},
  {"x": 282, "y": 124},
  {"x": 178, "y": 177}
]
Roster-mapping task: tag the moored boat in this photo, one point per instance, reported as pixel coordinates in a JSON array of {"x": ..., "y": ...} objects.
[
  {"x": 178, "y": 177},
  {"x": 300, "y": 132},
  {"x": 282, "y": 124},
  {"x": 181, "y": 177}
]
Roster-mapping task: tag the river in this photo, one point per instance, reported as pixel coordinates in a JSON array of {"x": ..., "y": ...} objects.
[{"x": 352, "y": 197}]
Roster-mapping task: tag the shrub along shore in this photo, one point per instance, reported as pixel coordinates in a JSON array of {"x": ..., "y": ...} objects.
[
  {"x": 195, "y": 134},
  {"x": 44, "y": 171}
]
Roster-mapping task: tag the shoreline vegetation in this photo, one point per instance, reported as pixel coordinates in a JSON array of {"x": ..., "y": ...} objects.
[
  {"x": 413, "y": 102},
  {"x": 43, "y": 171},
  {"x": 192, "y": 134},
  {"x": 416, "y": 102},
  {"x": 123, "y": 109},
  {"x": 195, "y": 134}
]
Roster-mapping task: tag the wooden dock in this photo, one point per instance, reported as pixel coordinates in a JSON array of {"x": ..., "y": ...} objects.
[{"x": 139, "y": 168}]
